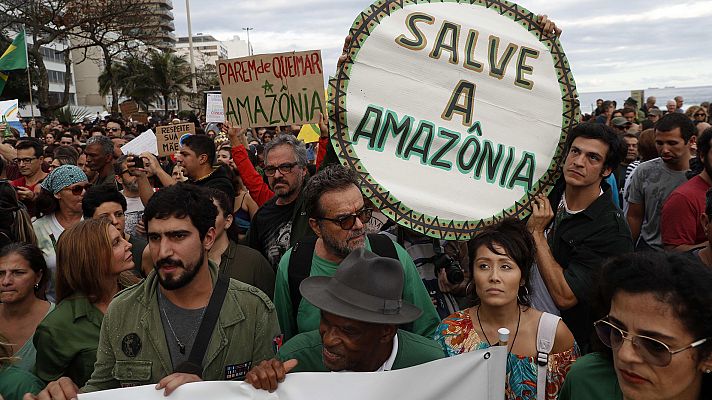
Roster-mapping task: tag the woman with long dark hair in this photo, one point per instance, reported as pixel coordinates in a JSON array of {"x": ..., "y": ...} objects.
[{"x": 501, "y": 257}]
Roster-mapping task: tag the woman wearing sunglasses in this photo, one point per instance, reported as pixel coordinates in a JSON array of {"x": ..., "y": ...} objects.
[
  {"x": 658, "y": 332},
  {"x": 59, "y": 207}
]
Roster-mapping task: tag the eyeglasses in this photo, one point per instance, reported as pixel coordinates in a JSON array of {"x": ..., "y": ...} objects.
[
  {"x": 700, "y": 115},
  {"x": 77, "y": 190},
  {"x": 651, "y": 350},
  {"x": 26, "y": 160},
  {"x": 348, "y": 221},
  {"x": 114, "y": 129},
  {"x": 283, "y": 168}
]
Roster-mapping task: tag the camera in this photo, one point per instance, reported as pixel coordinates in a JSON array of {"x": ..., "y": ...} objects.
[
  {"x": 452, "y": 268},
  {"x": 138, "y": 161}
]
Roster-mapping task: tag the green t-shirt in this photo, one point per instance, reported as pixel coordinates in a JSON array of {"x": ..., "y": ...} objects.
[
  {"x": 15, "y": 382},
  {"x": 412, "y": 350},
  {"x": 591, "y": 377},
  {"x": 308, "y": 316}
]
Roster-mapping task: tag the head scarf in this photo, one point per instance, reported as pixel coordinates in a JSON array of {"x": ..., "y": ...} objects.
[{"x": 63, "y": 176}]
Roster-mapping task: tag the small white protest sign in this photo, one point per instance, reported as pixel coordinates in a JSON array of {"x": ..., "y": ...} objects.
[{"x": 145, "y": 142}]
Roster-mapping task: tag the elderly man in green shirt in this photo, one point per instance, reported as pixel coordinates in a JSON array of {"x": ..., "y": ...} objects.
[
  {"x": 361, "y": 308},
  {"x": 159, "y": 331}
]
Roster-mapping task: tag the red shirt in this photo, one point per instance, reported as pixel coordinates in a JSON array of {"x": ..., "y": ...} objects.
[{"x": 680, "y": 222}]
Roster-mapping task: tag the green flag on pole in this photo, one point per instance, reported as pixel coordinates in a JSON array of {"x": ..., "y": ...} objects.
[{"x": 15, "y": 57}]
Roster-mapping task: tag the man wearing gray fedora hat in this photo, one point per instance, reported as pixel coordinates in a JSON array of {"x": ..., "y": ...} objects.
[
  {"x": 361, "y": 307},
  {"x": 337, "y": 215}
]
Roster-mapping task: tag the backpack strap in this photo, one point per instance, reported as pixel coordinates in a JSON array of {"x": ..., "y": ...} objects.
[
  {"x": 382, "y": 245},
  {"x": 195, "y": 359},
  {"x": 300, "y": 261},
  {"x": 545, "y": 335}
]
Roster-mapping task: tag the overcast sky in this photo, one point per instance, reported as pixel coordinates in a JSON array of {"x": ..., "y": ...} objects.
[{"x": 611, "y": 45}]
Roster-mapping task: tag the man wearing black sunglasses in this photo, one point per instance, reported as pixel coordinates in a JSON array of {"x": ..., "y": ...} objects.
[{"x": 337, "y": 214}]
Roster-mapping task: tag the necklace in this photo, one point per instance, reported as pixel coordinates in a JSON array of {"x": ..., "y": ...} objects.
[
  {"x": 181, "y": 346},
  {"x": 519, "y": 319}
]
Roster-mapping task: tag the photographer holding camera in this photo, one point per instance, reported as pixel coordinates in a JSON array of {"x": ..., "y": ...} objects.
[{"x": 439, "y": 264}]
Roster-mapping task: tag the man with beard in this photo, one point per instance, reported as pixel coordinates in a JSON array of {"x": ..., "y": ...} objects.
[
  {"x": 680, "y": 226},
  {"x": 150, "y": 330},
  {"x": 337, "y": 215},
  {"x": 281, "y": 221},
  {"x": 134, "y": 205},
  {"x": 653, "y": 181},
  {"x": 358, "y": 329}
]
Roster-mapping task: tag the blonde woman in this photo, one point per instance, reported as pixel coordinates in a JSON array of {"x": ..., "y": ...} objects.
[{"x": 87, "y": 279}]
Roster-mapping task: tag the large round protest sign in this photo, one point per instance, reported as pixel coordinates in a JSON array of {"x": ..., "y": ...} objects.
[{"x": 453, "y": 113}]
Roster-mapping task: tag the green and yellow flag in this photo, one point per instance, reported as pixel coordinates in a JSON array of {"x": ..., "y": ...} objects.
[{"x": 15, "y": 57}]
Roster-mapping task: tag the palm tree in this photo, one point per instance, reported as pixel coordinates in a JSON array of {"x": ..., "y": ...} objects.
[
  {"x": 169, "y": 76},
  {"x": 147, "y": 78},
  {"x": 130, "y": 75}
]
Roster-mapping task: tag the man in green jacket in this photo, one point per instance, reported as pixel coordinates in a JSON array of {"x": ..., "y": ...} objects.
[
  {"x": 361, "y": 308},
  {"x": 150, "y": 329}
]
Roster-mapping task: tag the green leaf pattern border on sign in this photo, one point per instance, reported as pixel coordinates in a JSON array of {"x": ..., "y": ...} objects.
[{"x": 394, "y": 209}]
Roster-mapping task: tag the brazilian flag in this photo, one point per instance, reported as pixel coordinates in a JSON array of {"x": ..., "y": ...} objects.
[{"x": 15, "y": 57}]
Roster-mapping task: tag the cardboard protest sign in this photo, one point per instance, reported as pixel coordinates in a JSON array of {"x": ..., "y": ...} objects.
[
  {"x": 214, "y": 108},
  {"x": 168, "y": 137},
  {"x": 272, "y": 89},
  {"x": 453, "y": 113},
  {"x": 128, "y": 108},
  {"x": 140, "y": 117}
]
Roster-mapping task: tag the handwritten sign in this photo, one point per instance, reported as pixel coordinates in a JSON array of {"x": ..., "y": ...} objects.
[
  {"x": 128, "y": 108},
  {"x": 453, "y": 114},
  {"x": 168, "y": 137},
  {"x": 140, "y": 117},
  {"x": 272, "y": 89}
]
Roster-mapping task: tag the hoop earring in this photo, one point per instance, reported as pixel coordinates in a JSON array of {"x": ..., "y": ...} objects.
[{"x": 520, "y": 299}]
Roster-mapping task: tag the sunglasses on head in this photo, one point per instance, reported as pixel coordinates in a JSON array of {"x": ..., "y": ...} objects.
[
  {"x": 653, "y": 351},
  {"x": 348, "y": 221}
]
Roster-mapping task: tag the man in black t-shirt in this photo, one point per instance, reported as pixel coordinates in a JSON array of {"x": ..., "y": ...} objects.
[{"x": 281, "y": 221}]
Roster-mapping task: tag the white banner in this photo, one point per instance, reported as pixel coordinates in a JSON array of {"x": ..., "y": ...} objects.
[
  {"x": 214, "y": 108},
  {"x": 478, "y": 375}
]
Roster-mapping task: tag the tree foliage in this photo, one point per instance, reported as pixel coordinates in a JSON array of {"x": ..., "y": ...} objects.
[
  {"x": 113, "y": 26},
  {"x": 146, "y": 78}
]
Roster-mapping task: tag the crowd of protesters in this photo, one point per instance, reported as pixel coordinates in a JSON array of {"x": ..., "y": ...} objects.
[{"x": 248, "y": 255}]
